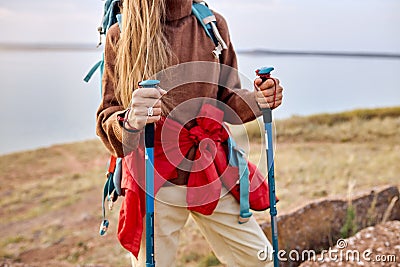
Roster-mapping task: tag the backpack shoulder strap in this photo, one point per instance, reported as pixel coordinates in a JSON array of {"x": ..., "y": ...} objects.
[
  {"x": 207, "y": 19},
  {"x": 200, "y": 10},
  {"x": 110, "y": 17},
  {"x": 205, "y": 16},
  {"x": 119, "y": 20}
]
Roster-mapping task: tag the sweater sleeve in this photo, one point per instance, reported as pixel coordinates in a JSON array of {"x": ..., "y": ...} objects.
[
  {"x": 118, "y": 141},
  {"x": 241, "y": 103}
]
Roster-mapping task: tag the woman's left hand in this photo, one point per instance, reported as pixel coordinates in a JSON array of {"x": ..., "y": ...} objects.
[{"x": 265, "y": 91}]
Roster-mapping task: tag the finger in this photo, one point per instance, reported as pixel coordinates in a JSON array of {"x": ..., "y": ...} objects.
[
  {"x": 279, "y": 97},
  {"x": 268, "y": 84},
  {"x": 271, "y": 81},
  {"x": 141, "y": 121},
  {"x": 269, "y": 100},
  {"x": 146, "y": 93},
  {"x": 156, "y": 111},
  {"x": 143, "y": 111},
  {"x": 157, "y": 104},
  {"x": 270, "y": 92},
  {"x": 257, "y": 83},
  {"x": 139, "y": 111},
  {"x": 153, "y": 119},
  {"x": 141, "y": 102},
  {"x": 265, "y": 93},
  {"x": 277, "y": 104},
  {"x": 162, "y": 91}
]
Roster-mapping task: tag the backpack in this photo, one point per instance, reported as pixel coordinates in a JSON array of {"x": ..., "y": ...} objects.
[{"x": 112, "y": 187}]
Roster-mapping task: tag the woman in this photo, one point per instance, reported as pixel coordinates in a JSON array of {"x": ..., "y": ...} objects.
[{"x": 160, "y": 38}]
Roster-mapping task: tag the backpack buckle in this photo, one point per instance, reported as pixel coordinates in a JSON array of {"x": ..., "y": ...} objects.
[
  {"x": 240, "y": 151},
  {"x": 217, "y": 51},
  {"x": 110, "y": 203},
  {"x": 101, "y": 32}
]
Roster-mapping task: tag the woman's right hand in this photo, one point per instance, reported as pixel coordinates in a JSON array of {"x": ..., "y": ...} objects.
[{"x": 142, "y": 99}]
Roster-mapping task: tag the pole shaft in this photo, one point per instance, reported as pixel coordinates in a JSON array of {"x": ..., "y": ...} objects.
[
  {"x": 150, "y": 261},
  {"x": 271, "y": 184},
  {"x": 149, "y": 158}
]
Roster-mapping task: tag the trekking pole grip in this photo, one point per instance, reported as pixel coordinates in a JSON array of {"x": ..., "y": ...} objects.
[{"x": 264, "y": 74}]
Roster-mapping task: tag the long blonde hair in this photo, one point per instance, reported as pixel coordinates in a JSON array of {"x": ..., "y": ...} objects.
[{"x": 142, "y": 48}]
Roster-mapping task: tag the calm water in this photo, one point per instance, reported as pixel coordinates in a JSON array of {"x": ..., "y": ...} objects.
[{"x": 44, "y": 100}]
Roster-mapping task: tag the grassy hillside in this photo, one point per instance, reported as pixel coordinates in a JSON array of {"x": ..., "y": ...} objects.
[
  {"x": 51, "y": 197},
  {"x": 319, "y": 155},
  {"x": 363, "y": 125}
]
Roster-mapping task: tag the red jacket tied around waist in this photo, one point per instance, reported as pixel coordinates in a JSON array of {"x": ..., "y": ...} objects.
[{"x": 209, "y": 171}]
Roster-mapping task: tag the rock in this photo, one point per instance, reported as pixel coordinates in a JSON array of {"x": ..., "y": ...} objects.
[
  {"x": 372, "y": 252},
  {"x": 317, "y": 225}
]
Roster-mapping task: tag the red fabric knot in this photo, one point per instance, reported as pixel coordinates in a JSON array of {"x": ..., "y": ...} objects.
[
  {"x": 197, "y": 134},
  {"x": 209, "y": 170}
]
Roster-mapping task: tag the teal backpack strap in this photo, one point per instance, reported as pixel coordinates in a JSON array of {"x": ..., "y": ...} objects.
[
  {"x": 100, "y": 64},
  {"x": 207, "y": 19},
  {"x": 106, "y": 189},
  {"x": 245, "y": 213},
  {"x": 119, "y": 20},
  {"x": 199, "y": 9},
  {"x": 111, "y": 190},
  {"x": 92, "y": 71},
  {"x": 109, "y": 18},
  {"x": 237, "y": 159}
]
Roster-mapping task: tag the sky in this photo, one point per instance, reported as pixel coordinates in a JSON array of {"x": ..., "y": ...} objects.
[
  {"x": 53, "y": 81},
  {"x": 340, "y": 25}
]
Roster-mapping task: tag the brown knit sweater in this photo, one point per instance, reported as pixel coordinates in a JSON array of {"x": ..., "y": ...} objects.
[{"x": 202, "y": 81}]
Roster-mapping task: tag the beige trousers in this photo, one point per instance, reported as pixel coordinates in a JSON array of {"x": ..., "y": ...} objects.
[{"x": 234, "y": 244}]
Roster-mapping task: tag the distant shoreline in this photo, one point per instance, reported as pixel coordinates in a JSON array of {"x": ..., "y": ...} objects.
[
  {"x": 251, "y": 52},
  {"x": 48, "y": 47},
  {"x": 258, "y": 52}
]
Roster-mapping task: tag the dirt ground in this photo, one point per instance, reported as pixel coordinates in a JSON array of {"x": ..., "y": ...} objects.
[
  {"x": 372, "y": 246},
  {"x": 51, "y": 198}
]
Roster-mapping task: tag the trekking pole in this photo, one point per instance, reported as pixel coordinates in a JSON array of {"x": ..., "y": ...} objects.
[
  {"x": 265, "y": 74},
  {"x": 149, "y": 157}
]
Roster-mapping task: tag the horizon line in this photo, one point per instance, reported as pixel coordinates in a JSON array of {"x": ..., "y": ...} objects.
[{"x": 15, "y": 46}]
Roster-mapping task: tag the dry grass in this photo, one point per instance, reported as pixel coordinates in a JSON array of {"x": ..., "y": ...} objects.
[
  {"x": 51, "y": 197},
  {"x": 306, "y": 171},
  {"x": 47, "y": 179},
  {"x": 353, "y": 126}
]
